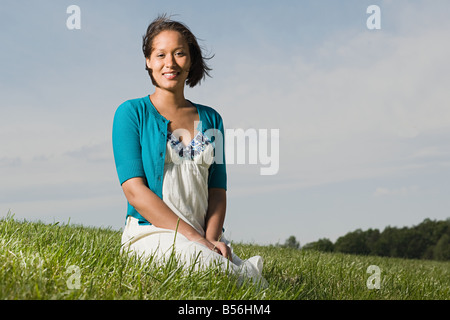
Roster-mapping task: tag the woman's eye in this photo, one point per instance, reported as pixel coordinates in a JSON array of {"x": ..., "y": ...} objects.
[{"x": 180, "y": 54}]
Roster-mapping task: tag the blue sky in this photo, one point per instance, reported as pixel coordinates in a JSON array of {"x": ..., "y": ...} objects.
[{"x": 363, "y": 115}]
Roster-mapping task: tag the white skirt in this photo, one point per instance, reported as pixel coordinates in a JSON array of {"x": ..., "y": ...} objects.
[{"x": 149, "y": 241}]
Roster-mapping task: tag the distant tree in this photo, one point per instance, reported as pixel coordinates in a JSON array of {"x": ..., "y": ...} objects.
[
  {"x": 385, "y": 245},
  {"x": 291, "y": 242},
  {"x": 324, "y": 245},
  {"x": 432, "y": 230},
  {"x": 427, "y": 240},
  {"x": 371, "y": 238},
  {"x": 442, "y": 248},
  {"x": 353, "y": 242},
  {"x": 417, "y": 244}
]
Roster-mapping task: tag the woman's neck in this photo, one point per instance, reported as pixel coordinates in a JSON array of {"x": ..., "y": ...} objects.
[{"x": 167, "y": 100}]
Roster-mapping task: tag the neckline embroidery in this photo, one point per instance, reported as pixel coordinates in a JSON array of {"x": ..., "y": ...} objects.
[{"x": 193, "y": 149}]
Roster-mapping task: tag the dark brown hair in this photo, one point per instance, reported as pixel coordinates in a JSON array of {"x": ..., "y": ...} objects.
[{"x": 199, "y": 69}]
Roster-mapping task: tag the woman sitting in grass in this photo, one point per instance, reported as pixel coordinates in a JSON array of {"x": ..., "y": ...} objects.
[{"x": 169, "y": 155}]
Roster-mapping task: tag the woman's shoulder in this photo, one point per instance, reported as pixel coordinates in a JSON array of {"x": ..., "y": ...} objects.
[
  {"x": 210, "y": 112},
  {"x": 132, "y": 109},
  {"x": 206, "y": 108},
  {"x": 133, "y": 104}
]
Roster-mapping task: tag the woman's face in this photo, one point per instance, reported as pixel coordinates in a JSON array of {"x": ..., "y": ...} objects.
[{"x": 170, "y": 60}]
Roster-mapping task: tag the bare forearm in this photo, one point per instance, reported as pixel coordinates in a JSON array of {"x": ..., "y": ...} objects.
[
  {"x": 154, "y": 210},
  {"x": 215, "y": 216}
]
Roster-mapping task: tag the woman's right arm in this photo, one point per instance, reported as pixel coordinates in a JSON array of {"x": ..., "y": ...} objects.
[{"x": 154, "y": 210}]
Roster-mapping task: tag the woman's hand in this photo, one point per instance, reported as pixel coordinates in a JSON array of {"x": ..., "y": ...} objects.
[
  {"x": 223, "y": 249},
  {"x": 216, "y": 246}
]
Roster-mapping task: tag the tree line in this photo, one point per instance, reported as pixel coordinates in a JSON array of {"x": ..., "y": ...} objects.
[{"x": 427, "y": 240}]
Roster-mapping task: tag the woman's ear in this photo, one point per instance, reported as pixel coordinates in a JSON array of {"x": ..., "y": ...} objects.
[{"x": 147, "y": 61}]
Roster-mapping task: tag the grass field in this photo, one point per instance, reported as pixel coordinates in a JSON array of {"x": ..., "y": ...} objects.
[{"x": 41, "y": 261}]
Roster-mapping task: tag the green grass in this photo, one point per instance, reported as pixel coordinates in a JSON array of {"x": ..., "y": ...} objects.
[{"x": 35, "y": 259}]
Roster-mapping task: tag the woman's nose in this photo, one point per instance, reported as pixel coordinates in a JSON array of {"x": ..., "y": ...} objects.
[{"x": 170, "y": 61}]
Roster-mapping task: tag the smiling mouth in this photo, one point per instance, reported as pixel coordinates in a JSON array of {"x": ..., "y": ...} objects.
[{"x": 170, "y": 75}]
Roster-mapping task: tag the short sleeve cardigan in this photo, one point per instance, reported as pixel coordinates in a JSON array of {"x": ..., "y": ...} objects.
[{"x": 139, "y": 138}]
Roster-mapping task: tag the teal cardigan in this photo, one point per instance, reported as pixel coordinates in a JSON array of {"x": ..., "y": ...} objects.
[{"x": 139, "y": 138}]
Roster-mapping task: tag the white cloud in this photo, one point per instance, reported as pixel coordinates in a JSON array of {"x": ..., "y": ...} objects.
[
  {"x": 10, "y": 162},
  {"x": 403, "y": 191},
  {"x": 93, "y": 152},
  {"x": 431, "y": 152}
]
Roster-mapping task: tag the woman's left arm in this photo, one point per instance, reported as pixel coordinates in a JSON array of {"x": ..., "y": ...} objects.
[{"x": 215, "y": 217}]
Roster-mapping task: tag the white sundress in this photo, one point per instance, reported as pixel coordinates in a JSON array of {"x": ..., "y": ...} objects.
[{"x": 185, "y": 191}]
